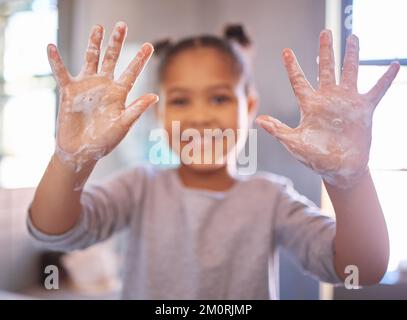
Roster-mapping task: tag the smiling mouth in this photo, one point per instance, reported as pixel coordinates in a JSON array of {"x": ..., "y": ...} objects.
[
  {"x": 205, "y": 131},
  {"x": 205, "y": 139}
]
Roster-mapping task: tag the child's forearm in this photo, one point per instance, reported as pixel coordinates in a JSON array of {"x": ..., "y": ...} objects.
[
  {"x": 361, "y": 232},
  {"x": 56, "y": 206},
  {"x": 92, "y": 120},
  {"x": 334, "y": 138}
]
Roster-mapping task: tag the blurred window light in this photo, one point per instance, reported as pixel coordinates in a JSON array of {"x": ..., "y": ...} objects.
[
  {"x": 28, "y": 98},
  {"x": 380, "y": 26}
]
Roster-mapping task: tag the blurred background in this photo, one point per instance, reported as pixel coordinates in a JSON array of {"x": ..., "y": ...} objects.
[{"x": 28, "y": 108}]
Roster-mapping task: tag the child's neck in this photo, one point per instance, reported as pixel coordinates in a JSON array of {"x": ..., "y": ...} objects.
[{"x": 215, "y": 180}]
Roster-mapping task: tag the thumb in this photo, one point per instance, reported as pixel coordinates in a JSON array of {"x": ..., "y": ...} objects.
[
  {"x": 136, "y": 109},
  {"x": 287, "y": 136},
  {"x": 276, "y": 128},
  {"x": 283, "y": 133},
  {"x": 384, "y": 83}
]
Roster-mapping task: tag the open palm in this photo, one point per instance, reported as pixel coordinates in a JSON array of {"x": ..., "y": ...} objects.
[
  {"x": 92, "y": 116},
  {"x": 335, "y": 130}
]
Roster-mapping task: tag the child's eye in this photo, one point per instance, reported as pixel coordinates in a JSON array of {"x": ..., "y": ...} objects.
[
  {"x": 220, "y": 99},
  {"x": 179, "y": 102}
]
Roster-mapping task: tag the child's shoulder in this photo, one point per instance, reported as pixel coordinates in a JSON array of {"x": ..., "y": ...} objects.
[
  {"x": 268, "y": 178},
  {"x": 281, "y": 185},
  {"x": 141, "y": 173},
  {"x": 127, "y": 175},
  {"x": 267, "y": 181}
]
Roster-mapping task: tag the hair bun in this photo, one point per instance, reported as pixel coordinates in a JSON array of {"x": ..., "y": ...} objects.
[
  {"x": 236, "y": 32},
  {"x": 162, "y": 46}
]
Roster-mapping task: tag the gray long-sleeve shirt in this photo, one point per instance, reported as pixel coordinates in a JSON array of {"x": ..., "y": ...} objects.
[{"x": 193, "y": 244}]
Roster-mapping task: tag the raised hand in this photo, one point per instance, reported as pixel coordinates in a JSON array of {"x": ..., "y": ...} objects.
[
  {"x": 335, "y": 131},
  {"x": 92, "y": 117}
]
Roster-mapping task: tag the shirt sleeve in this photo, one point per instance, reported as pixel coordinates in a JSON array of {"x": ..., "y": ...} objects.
[
  {"x": 107, "y": 207},
  {"x": 307, "y": 234}
]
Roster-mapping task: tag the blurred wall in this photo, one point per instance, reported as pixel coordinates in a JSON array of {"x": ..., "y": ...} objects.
[
  {"x": 19, "y": 258},
  {"x": 273, "y": 25}
]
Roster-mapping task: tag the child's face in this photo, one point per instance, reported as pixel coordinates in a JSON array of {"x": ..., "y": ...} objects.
[{"x": 201, "y": 90}]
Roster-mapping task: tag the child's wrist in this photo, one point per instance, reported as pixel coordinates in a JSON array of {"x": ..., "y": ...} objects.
[
  {"x": 345, "y": 181},
  {"x": 76, "y": 164},
  {"x": 70, "y": 171}
]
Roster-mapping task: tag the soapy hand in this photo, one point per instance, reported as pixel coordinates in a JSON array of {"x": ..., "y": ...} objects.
[
  {"x": 335, "y": 131},
  {"x": 92, "y": 117}
]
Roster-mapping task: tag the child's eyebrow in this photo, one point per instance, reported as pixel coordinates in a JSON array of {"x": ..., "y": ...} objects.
[
  {"x": 220, "y": 86},
  {"x": 209, "y": 88},
  {"x": 177, "y": 90}
]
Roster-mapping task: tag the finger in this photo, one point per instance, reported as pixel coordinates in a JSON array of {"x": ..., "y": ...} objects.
[
  {"x": 350, "y": 69},
  {"x": 276, "y": 128},
  {"x": 299, "y": 83},
  {"x": 381, "y": 87},
  {"x": 93, "y": 51},
  {"x": 113, "y": 49},
  {"x": 326, "y": 60},
  {"x": 136, "y": 109},
  {"x": 61, "y": 74},
  {"x": 129, "y": 76}
]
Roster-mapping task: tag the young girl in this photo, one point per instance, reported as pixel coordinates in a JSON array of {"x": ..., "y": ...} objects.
[{"x": 199, "y": 231}]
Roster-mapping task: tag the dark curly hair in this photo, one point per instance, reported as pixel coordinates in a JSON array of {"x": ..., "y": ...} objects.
[{"x": 235, "y": 44}]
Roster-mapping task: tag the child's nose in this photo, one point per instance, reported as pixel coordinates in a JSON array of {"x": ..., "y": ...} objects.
[
  {"x": 200, "y": 117},
  {"x": 200, "y": 121}
]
